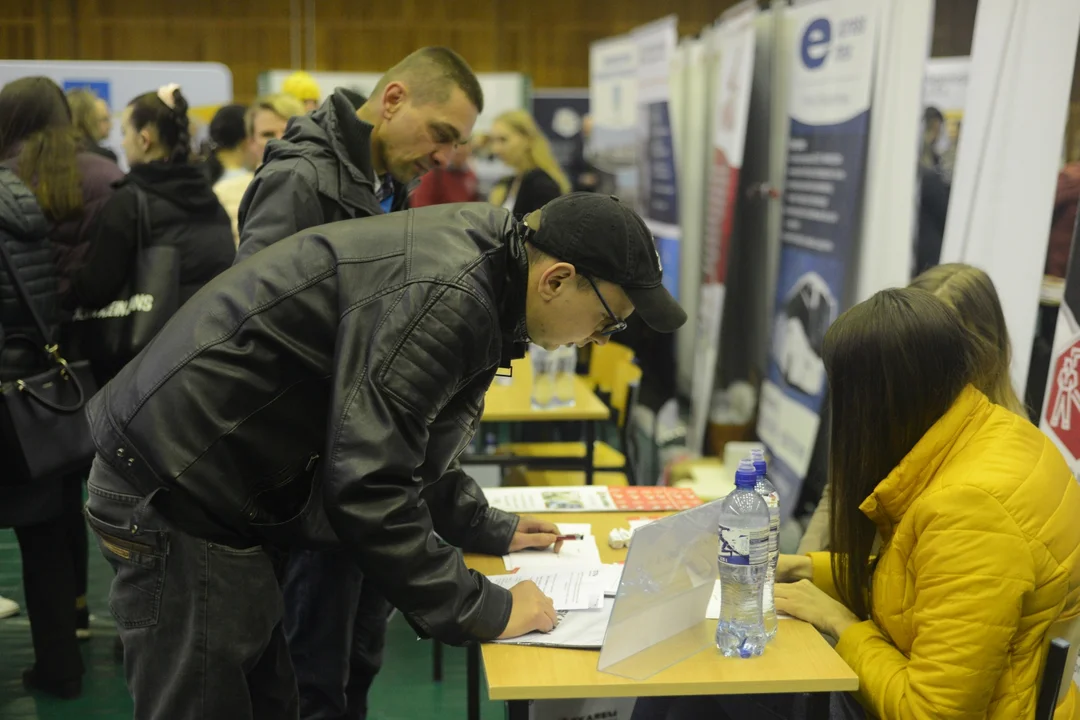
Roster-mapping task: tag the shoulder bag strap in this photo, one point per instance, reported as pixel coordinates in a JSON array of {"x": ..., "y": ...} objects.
[
  {"x": 142, "y": 234},
  {"x": 24, "y": 296}
]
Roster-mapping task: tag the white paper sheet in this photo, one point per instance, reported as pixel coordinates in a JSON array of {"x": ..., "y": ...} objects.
[
  {"x": 712, "y": 612},
  {"x": 583, "y": 529},
  {"x": 582, "y": 629},
  {"x": 575, "y": 554},
  {"x": 610, "y": 576},
  {"x": 573, "y": 590}
]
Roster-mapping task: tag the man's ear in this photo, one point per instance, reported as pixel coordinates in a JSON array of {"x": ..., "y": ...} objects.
[
  {"x": 394, "y": 95},
  {"x": 554, "y": 279}
]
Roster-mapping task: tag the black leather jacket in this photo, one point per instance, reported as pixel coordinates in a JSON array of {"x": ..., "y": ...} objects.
[{"x": 324, "y": 389}]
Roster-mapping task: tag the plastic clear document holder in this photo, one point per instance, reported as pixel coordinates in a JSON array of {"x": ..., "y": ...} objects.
[{"x": 658, "y": 617}]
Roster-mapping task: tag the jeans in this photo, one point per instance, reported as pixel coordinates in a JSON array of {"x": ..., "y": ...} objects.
[
  {"x": 335, "y": 624},
  {"x": 842, "y": 706},
  {"x": 201, "y": 623}
]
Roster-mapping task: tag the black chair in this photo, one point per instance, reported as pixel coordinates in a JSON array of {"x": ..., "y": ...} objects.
[{"x": 1054, "y": 675}]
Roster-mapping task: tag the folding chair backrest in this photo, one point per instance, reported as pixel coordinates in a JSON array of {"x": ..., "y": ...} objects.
[
  {"x": 627, "y": 376},
  {"x": 604, "y": 363},
  {"x": 1069, "y": 632}
]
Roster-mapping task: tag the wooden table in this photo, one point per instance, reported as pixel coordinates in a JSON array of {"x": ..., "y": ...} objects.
[
  {"x": 798, "y": 660},
  {"x": 511, "y": 401}
]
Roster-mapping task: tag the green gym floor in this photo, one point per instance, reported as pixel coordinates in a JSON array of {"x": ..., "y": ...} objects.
[{"x": 404, "y": 689}]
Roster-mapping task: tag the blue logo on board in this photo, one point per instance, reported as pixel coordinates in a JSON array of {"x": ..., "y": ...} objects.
[
  {"x": 815, "y": 43},
  {"x": 98, "y": 87}
]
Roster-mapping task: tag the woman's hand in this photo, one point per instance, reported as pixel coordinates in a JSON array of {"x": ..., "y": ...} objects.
[
  {"x": 792, "y": 568},
  {"x": 808, "y": 602}
]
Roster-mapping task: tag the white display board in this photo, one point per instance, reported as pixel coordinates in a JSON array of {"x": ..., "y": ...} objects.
[
  {"x": 1002, "y": 196},
  {"x": 502, "y": 91},
  {"x": 888, "y": 220},
  {"x": 206, "y": 86},
  {"x": 728, "y": 77}
]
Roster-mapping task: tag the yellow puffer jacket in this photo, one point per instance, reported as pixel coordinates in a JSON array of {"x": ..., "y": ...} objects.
[{"x": 981, "y": 524}]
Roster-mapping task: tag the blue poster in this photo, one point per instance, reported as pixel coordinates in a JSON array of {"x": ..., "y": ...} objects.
[
  {"x": 829, "y": 125},
  {"x": 657, "y": 191},
  {"x": 660, "y": 193},
  {"x": 98, "y": 87}
]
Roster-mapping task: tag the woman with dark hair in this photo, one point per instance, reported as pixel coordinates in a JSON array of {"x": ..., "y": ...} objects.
[
  {"x": 979, "y": 566},
  {"x": 230, "y": 163},
  {"x": 46, "y": 516},
  {"x": 41, "y": 145},
  {"x": 39, "y": 142},
  {"x": 976, "y": 509},
  {"x": 970, "y": 292},
  {"x": 184, "y": 212}
]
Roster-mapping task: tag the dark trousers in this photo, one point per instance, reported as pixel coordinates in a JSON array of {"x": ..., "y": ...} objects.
[
  {"x": 842, "y": 706},
  {"x": 78, "y": 545},
  {"x": 50, "y": 565},
  {"x": 200, "y": 622},
  {"x": 335, "y": 624}
]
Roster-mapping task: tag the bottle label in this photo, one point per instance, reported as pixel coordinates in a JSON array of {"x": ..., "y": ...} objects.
[
  {"x": 743, "y": 546},
  {"x": 773, "y": 501}
]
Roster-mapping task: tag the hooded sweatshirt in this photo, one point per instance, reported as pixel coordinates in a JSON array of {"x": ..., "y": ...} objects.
[{"x": 184, "y": 213}]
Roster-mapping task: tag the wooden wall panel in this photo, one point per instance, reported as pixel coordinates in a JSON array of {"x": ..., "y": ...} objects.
[{"x": 549, "y": 39}]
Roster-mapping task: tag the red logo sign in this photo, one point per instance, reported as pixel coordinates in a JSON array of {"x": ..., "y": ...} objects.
[{"x": 1063, "y": 401}]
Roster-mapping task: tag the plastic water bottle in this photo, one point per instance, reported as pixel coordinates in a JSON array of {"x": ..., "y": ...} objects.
[
  {"x": 544, "y": 369},
  {"x": 566, "y": 368},
  {"x": 772, "y": 498},
  {"x": 743, "y": 559}
]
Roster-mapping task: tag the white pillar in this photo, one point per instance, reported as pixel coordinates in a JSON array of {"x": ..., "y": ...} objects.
[{"x": 1010, "y": 147}]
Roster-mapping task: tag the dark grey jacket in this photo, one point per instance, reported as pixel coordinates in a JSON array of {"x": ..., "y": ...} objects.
[
  {"x": 324, "y": 389},
  {"x": 319, "y": 173},
  {"x": 24, "y": 233}
]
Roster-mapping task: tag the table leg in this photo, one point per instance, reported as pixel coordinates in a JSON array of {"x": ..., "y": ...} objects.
[
  {"x": 517, "y": 709},
  {"x": 817, "y": 706},
  {"x": 472, "y": 680},
  {"x": 436, "y": 661},
  {"x": 590, "y": 442}
]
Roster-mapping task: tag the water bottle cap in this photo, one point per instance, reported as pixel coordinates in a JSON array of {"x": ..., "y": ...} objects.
[
  {"x": 746, "y": 475},
  {"x": 757, "y": 456}
]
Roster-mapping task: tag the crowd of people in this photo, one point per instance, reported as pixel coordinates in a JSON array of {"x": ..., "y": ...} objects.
[{"x": 277, "y": 462}]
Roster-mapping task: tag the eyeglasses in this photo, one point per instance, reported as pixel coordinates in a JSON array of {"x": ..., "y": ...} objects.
[{"x": 616, "y": 324}]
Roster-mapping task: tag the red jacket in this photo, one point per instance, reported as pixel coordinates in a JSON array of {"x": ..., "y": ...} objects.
[
  {"x": 445, "y": 185},
  {"x": 1061, "y": 230}
]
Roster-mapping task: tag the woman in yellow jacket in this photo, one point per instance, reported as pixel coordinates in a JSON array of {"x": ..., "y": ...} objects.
[
  {"x": 978, "y": 513},
  {"x": 970, "y": 292}
]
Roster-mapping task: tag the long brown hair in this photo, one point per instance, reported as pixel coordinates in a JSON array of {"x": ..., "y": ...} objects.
[
  {"x": 972, "y": 293},
  {"x": 895, "y": 363},
  {"x": 35, "y": 124}
]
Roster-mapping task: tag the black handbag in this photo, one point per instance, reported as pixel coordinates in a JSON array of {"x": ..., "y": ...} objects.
[
  {"x": 110, "y": 337},
  {"x": 44, "y": 432}
]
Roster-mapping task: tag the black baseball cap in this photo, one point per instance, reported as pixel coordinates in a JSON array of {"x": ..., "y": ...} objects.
[{"x": 603, "y": 238}]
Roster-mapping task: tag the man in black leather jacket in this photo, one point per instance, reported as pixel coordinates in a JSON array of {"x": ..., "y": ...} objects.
[
  {"x": 351, "y": 158},
  {"x": 321, "y": 394},
  {"x": 355, "y": 156}
]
